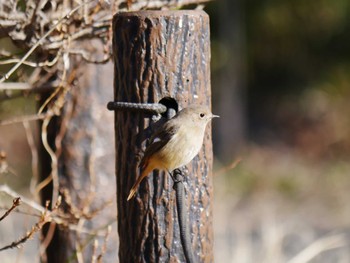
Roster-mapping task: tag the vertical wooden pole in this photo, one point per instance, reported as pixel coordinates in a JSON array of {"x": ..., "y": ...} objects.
[{"x": 160, "y": 54}]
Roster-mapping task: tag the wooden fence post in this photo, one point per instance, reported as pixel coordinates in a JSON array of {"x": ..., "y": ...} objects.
[{"x": 160, "y": 54}]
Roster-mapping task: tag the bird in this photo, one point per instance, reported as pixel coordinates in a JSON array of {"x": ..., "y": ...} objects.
[{"x": 175, "y": 143}]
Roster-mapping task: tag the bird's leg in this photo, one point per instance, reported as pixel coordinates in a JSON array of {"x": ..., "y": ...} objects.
[
  {"x": 184, "y": 227},
  {"x": 177, "y": 175}
]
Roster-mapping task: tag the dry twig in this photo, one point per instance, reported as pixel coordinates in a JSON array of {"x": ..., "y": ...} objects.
[
  {"x": 228, "y": 167},
  {"x": 319, "y": 246},
  {"x": 16, "y": 202},
  {"x": 104, "y": 246},
  {"x": 38, "y": 43},
  {"x": 45, "y": 218}
]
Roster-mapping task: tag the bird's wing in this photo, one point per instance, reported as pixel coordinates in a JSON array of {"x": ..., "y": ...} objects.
[{"x": 158, "y": 140}]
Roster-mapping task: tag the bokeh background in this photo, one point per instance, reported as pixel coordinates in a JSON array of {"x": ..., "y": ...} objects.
[
  {"x": 280, "y": 79},
  {"x": 280, "y": 82}
]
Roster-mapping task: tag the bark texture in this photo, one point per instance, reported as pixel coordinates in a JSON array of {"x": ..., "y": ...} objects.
[
  {"x": 85, "y": 168},
  {"x": 160, "y": 54}
]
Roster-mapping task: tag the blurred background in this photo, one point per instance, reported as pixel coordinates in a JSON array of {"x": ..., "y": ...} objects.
[{"x": 280, "y": 82}]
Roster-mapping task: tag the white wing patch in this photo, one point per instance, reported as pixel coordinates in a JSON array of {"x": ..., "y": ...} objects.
[{"x": 156, "y": 139}]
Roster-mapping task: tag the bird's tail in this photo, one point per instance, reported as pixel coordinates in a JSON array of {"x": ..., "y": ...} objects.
[{"x": 138, "y": 181}]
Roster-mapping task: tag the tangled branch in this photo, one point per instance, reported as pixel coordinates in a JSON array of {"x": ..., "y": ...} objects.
[{"x": 41, "y": 38}]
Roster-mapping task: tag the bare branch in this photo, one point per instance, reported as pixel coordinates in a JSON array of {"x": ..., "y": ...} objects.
[
  {"x": 40, "y": 41},
  {"x": 37, "y": 227},
  {"x": 231, "y": 166},
  {"x": 21, "y": 119},
  {"x": 35, "y": 155},
  {"x": 87, "y": 56},
  {"x": 33, "y": 64},
  {"x": 14, "y": 86},
  {"x": 30, "y": 203},
  {"x": 45, "y": 218},
  {"x": 159, "y": 4},
  {"x": 104, "y": 246},
  {"x": 16, "y": 202},
  {"x": 319, "y": 246}
]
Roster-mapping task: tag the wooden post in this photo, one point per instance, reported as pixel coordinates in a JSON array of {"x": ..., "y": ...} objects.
[{"x": 160, "y": 54}]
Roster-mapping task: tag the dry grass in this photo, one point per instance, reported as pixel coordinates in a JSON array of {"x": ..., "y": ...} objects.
[{"x": 279, "y": 206}]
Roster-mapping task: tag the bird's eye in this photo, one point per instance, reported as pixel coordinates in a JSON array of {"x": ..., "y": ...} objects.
[{"x": 201, "y": 115}]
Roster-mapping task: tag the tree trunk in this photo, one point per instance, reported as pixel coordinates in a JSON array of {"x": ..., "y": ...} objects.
[{"x": 85, "y": 167}]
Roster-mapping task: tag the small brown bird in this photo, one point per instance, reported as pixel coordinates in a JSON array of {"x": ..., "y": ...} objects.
[{"x": 175, "y": 143}]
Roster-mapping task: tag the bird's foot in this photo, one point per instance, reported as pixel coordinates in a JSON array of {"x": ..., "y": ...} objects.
[{"x": 177, "y": 175}]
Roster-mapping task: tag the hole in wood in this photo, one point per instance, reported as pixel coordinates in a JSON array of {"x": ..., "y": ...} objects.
[{"x": 171, "y": 105}]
